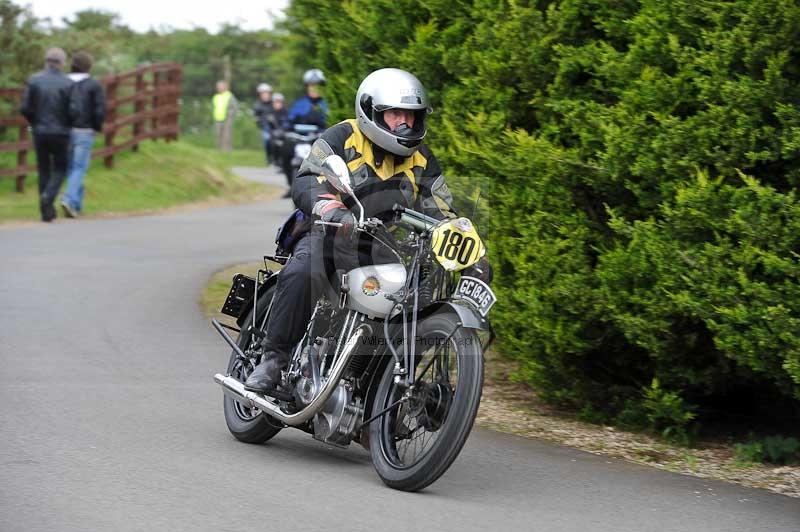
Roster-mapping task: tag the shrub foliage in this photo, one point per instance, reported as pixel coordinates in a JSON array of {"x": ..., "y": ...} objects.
[{"x": 640, "y": 163}]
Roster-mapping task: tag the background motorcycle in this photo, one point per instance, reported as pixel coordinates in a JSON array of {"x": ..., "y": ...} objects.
[
  {"x": 392, "y": 358},
  {"x": 293, "y": 145}
]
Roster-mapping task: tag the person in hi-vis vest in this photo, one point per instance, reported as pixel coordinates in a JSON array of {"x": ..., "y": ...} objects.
[{"x": 225, "y": 106}]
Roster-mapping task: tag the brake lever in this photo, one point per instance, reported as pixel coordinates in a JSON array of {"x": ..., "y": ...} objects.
[{"x": 370, "y": 224}]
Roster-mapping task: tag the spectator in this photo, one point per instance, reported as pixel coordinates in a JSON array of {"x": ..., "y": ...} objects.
[
  {"x": 262, "y": 109},
  {"x": 45, "y": 104},
  {"x": 87, "y": 112},
  {"x": 225, "y": 107}
]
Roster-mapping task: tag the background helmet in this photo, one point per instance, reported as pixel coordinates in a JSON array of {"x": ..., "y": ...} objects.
[
  {"x": 264, "y": 87},
  {"x": 392, "y": 88},
  {"x": 313, "y": 77},
  {"x": 278, "y": 97}
]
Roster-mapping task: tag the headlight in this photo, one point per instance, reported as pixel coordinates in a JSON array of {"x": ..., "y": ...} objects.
[{"x": 302, "y": 150}]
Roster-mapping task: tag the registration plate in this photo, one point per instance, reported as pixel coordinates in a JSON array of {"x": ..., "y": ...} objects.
[{"x": 476, "y": 292}]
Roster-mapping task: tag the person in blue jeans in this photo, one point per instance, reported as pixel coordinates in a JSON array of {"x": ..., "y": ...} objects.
[{"x": 87, "y": 109}]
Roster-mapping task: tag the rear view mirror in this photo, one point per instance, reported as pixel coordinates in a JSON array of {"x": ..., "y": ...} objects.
[{"x": 336, "y": 172}]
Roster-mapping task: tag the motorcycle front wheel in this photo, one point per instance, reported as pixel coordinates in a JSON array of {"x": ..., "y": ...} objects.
[
  {"x": 419, "y": 438},
  {"x": 249, "y": 425}
]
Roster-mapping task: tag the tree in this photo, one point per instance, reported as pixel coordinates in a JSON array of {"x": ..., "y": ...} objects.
[
  {"x": 22, "y": 43},
  {"x": 639, "y": 160}
]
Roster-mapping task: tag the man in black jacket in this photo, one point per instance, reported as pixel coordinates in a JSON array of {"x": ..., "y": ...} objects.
[
  {"x": 262, "y": 109},
  {"x": 87, "y": 109},
  {"x": 45, "y": 103},
  {"x": 277, "y": 123}
]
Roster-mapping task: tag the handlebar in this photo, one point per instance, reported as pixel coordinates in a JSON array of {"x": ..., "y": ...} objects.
[
  {"x": 417, "y": 220},
  {"x": 331, "y": 224}
]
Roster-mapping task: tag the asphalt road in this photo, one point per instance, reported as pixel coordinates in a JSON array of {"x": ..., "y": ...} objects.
[{"x": 110, "y": 420}]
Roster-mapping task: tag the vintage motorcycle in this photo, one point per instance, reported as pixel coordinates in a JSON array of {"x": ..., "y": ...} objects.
[
  {"x": 292, "y": 145},
  {"x": 391, "y": 358}
]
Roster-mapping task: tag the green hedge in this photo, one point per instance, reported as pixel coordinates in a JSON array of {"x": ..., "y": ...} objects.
[{"x": 639, "y": 161}]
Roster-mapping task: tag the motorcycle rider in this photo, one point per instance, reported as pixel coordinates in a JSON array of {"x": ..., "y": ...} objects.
[
  {"x": 311, "y": 108},
  {"x": 389, "y": 164},
  {"x": 276, "y": 122},
  {"x": 262, "y": 109}
]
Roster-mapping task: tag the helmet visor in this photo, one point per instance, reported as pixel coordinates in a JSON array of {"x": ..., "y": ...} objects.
[{"x": 415, "y": 132}]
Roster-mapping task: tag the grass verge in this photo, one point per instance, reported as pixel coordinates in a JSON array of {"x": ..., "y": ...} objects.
[
  {"x": 515, "y": 408},
  {"x": 158, "y": 176},
  {"x": 218, "y": 286}
]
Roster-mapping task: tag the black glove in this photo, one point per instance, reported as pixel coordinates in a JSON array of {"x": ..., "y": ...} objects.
[
  {"x": 341, "y": 216},
  {"x": 480, "y": 270}
]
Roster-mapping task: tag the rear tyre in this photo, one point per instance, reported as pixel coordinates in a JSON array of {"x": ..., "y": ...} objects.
[
  {"x": 416, "y": 441},
  {"x": 249, "y": 425}
]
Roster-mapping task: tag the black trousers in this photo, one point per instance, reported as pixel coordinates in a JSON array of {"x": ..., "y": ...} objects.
[
  {"x": 285, "y": 155},
  {"x": 52, "y": 152},
  {"x": 318, "y": 260},
  {"x": 267, "y": 152}
]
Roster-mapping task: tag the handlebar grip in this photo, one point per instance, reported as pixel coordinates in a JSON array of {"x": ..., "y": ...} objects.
[
  {"x": 416, "y": 223},
  {"x": 420, "y": 217}
]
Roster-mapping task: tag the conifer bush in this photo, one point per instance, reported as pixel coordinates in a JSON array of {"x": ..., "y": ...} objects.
[{"x": 639, "y": 162}]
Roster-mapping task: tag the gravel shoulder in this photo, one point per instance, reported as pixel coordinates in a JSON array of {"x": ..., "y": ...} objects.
[{"x": 515, "y": 408}]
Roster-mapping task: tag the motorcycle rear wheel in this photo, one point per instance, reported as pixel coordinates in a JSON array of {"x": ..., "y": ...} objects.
[
  {"x": 416, "y": 441},
  {"x": 249, "y": 425}
]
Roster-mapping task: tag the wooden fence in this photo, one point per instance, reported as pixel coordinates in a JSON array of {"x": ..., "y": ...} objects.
[{"x": 141, "y": 104}]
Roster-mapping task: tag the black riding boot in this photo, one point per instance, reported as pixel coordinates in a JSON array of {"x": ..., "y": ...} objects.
[{"x": 267, "y": 375}]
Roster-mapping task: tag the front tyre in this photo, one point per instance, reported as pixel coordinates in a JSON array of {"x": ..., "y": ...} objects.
[
  {"x": 417, "y": 440},
  {"x": 249, "y": 425}
]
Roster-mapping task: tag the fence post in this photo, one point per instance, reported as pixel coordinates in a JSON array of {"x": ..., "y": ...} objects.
[
  {"x": 22, "y": 158},
  {"x": 178, "y": 99},
  {"x": 138, "y": 108},
  {"x": 154, "y": 104},
  {"x": 111, "y": 117},
  {"x": 174, "y": 78}
]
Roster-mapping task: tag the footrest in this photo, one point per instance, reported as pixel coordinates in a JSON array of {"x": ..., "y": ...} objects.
[
  {"x": 280, "y": 395},
  {"x": 258, "y": 333}
]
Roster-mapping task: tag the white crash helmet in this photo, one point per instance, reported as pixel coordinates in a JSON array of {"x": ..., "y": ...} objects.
[
  {"x": 264, "y": 87},
  {"x": 313, "y": 77},
  {"x": 392, "y": 88}
]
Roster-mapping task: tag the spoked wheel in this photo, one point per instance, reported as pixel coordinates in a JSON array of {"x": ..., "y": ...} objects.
[
  {"x": 248, "y": 424},
  {"x": 421, "y": 435}
]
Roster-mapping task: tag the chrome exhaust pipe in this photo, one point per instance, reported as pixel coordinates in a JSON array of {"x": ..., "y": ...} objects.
[{"x": 236, "y": 390}]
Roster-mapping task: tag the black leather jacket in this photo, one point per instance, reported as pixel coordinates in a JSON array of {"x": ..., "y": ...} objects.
[
  {"x": 45, "y": 102},
  {"x": 262, "y": 110},
  {"x": 380, "y": 179},
  {"x": 269, "y": 117},
  {"x": 278, "y": 119},
  {"x": 87, "y": 105}
]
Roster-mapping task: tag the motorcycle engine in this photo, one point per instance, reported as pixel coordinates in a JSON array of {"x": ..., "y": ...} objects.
[{"x": 335, "y": 424}]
